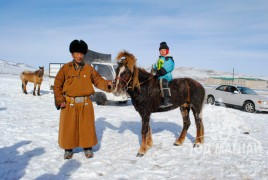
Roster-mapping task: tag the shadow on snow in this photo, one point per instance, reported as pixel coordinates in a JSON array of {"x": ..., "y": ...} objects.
[
  {"x": 12, "y": 163},
  {"x": 135, "y": 128}
]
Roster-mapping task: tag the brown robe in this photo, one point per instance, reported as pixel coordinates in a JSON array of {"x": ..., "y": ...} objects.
[{"x": 77, "y": 125}]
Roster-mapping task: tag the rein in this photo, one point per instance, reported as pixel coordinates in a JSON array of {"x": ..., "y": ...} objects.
[
  {"x": 127, "y": 82},
  {"x": 146, "y": 80}
]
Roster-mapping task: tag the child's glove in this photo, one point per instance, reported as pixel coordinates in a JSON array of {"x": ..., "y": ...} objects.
[{"x": 158, "y": 74}]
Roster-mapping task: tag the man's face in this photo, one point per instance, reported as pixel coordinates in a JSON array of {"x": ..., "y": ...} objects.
[
  {"x": 163, "y": 52},
  {"x": 78, "y": 57}
]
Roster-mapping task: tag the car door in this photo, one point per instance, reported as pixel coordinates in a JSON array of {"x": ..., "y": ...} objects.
[
  {"x": 234, "y": 96},
  {"x": 221, "y": 94}
]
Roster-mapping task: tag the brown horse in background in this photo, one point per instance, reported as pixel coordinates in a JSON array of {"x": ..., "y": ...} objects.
[
  {"x": 144, "y": 91},
  {"x": 35, "y": 77}
]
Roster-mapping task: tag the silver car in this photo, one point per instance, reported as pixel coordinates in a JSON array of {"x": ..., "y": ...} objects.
[{"x": 238, "y": 96}]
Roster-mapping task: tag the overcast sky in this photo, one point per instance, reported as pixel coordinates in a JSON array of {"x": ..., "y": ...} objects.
[{"x": 218, "y": 35}]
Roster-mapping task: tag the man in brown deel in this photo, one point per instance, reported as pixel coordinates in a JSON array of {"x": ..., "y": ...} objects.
[{"x": 72, "y": 88}]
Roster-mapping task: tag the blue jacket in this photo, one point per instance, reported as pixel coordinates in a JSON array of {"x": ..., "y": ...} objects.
[{"x": 164, "y": 66}]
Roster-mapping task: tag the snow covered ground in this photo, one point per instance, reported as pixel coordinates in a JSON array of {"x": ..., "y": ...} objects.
[{"x": 236, "y": 143}]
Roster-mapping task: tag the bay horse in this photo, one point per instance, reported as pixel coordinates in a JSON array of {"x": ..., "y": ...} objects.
[
  {"x": 144, "y": 91},
  {"x": 35, "y": 77}
]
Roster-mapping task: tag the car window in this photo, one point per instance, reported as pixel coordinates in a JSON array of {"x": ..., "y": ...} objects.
[
  {"x": 104, "y": 70},
  {"x": 231, "y": 89},
  {"x": 222, "y": 88},
  {"x": 245, "y": 90}
]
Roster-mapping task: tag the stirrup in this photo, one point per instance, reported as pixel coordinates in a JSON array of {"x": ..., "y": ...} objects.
[{"x": 165, "y": 105}]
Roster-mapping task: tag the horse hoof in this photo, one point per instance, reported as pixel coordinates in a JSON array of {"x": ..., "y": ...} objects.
[
  {"x": 140, "y": 155},
  {"x": 176, "y": 144},
  {"x": 196, "y": 145}
]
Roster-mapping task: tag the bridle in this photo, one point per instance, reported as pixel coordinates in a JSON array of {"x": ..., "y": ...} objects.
[
  {"x": 126, "y": 87},
  {"x": 125, "y": 81}
]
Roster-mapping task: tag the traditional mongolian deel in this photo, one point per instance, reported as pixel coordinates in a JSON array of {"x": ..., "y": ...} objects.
[{"x": 74, "y": 86}]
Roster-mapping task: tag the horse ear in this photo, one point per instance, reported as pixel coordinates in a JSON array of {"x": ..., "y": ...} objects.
[{"x": 136, "y": 82}]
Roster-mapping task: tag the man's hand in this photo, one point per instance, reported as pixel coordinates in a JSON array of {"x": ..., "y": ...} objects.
[
  {"x": 62, "y": 105},
  {"x": 109, "y": 84}
]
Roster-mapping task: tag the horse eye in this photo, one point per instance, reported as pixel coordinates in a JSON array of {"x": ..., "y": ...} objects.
[{"x": 121, "y": 59}]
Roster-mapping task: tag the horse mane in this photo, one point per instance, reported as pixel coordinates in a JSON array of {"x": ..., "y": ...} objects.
[
  {"x": 27, "y": 71},
  {"x": 129, "y": 61}
]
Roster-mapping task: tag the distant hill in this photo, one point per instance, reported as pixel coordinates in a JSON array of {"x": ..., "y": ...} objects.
[
  {"x": 8, "y": 67},
  {"x": 202, "y": 74}
]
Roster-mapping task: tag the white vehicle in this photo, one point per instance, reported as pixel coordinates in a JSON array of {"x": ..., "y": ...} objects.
[
  {"x": 53, "y": 70},
  {"x": 237, "y": 96},
  {"x": 105, "y": 69}
]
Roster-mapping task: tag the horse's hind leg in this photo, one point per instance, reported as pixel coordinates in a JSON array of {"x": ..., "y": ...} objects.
[
  {"x": 199, "y": 127},
  {"x": 185, "y": 108},
  {"x": 149, "y": 139},
  {"x": 38, "y": 90},
  {"x": 146, "y": 141}
]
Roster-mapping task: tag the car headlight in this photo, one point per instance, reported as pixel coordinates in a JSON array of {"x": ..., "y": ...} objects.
[{"x": 262, "y": 102}]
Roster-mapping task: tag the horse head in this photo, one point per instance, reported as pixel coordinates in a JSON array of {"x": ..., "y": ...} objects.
[
  {"x": 41, "y": 71},
  {"x": 126, "y": 73}
]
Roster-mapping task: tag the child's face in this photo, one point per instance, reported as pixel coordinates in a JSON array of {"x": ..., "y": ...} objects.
[{"x": 163, "y": 52}]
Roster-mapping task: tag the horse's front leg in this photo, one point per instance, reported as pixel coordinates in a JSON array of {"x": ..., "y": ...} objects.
[
  {"x": 38, "y": 90},
  {"x": 34, "y": 89},
  {"x": 24, "y": 83},
  {"x": 185, "y": 108},
  {"x": 146, "y": 134}
]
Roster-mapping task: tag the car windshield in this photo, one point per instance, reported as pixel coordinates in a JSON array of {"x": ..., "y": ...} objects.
[
  {"x": 115, "y": 66},
  {"x": 105, "y": 71},
  {"x": 245, "y": 90}
]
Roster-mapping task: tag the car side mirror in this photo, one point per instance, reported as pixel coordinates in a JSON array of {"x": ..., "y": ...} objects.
[{"x": 236, "y": 92}]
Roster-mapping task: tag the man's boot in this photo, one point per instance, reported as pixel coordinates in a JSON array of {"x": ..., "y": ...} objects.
[
  {"x": 68, "y": 154},
  {"x": 165, "y": 94}
]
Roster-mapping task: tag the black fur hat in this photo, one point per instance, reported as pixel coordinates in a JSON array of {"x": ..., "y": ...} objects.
[
  {"x": 78, "y": 46},
  {"x": 163, "y": 45}
]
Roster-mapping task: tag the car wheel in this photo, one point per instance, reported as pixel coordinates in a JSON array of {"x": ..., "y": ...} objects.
[
  {"x": 122, "y": 102},
  {"x": 100, "y": 98},
  {"x": 210, "y": 100},
  {"x": 249, "y": 106}
]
